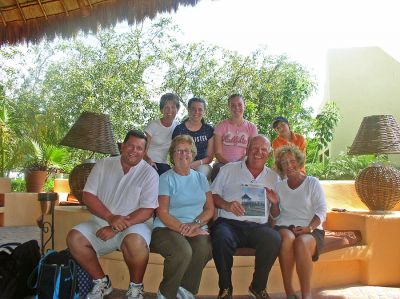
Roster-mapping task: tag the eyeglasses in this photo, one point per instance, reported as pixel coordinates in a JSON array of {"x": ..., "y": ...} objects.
[{"x": 180, "y": 151}]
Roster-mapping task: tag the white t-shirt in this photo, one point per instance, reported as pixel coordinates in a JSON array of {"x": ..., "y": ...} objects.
[
  {"x": 123, "y": 193},
  {"x": 299, "y": 206},
  {"x": 229, "y": 185},
  {"x": 160, "y": 140}
]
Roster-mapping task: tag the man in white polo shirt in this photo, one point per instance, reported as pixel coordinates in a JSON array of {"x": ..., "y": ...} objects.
[
  {"x": 238, "y": 193},
  {"x": 121, "y": 192}
]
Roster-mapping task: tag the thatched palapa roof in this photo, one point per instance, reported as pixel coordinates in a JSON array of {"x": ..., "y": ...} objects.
[{"x": 31, "y": 20}]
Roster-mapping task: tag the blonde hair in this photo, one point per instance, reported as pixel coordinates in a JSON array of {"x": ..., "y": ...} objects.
[
  {"x": 178, "y": 140},
  {"x": 280, "y": 152}
]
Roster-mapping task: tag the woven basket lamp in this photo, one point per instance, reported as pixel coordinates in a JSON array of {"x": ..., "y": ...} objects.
[
  {"x": 92, "y": 132},
  {"x": 378, "y": 185}
]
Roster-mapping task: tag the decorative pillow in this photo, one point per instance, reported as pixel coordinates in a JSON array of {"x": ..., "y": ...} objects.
[{"x": 334, "y": 239}]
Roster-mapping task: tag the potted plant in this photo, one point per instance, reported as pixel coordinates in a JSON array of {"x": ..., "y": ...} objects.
[{"x": 40, "y": 160}]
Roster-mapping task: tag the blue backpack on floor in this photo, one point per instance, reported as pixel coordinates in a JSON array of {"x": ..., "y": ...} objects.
[{"x": 56, "y": 277}]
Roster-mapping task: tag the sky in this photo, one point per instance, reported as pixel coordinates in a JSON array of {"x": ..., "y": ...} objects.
[{"x": 303, "y": 29}]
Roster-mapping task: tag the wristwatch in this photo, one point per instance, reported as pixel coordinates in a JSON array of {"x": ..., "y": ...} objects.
[
  {"x": 198, "y": 221},
  {"x": 311, "y": 228}
]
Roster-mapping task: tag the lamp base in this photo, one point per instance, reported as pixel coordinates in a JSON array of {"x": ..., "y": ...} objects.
[
  {"x": 378, "y": 187},
  {"x": 78, "y": 177}
]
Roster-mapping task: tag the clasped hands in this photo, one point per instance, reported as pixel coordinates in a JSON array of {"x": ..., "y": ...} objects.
[
  {"x": 299, "y": 230},
  {"x": 191, "y": 230},
  {"x": 117, "y": 223}
]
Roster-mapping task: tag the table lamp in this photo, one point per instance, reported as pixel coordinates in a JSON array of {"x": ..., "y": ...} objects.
[
  {"x": 92, "y": 132},
  {"x": 378, "y": 185}
]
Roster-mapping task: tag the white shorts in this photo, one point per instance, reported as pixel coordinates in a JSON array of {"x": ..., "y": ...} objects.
[{"x": 89, "y": 229}]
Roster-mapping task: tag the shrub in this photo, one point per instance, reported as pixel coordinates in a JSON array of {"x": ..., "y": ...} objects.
[
  {"x": 19, "y": 185},
  {"x": 344, "y": 167}
]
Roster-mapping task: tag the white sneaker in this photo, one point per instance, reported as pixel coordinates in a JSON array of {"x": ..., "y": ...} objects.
[
  {"x": 101, "y": 288},
  {"x": 184, "y": 294},
  {"x": 160, "y": 296},
  {"x": 135, "y": 291}
]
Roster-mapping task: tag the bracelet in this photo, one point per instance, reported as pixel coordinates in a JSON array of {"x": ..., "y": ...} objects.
[
  {"x": 198, "y": 221},
  {"x": 201, "y": 161}
]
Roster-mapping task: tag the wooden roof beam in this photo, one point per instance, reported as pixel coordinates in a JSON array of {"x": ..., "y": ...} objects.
[
  {"x": 84, "y": 8},
  {"x": 20, "y": 10},
  {"x": 42, "y": 8},
  {"x": 65, "y": 8},
  {"x": 2, "y": 17}
]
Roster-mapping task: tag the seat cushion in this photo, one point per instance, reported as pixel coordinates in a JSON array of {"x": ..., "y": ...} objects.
[{"x": 334, "y": 239}]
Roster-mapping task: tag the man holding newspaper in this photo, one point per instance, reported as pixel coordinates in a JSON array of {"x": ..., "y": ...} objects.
[{"x": 239, "y": 192}]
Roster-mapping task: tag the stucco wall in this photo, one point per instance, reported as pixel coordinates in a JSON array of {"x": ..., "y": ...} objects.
[{"x": 363, "y": 82}]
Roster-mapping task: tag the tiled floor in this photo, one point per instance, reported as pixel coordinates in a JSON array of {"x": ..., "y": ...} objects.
[
  {"x": 346, "y": 292},
  {"x": 19, "y": 234},
  {"x": 26, "y": 233}
]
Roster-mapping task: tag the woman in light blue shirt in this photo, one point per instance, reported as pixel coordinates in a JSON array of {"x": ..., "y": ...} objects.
[{"x": 180, "y": 232}]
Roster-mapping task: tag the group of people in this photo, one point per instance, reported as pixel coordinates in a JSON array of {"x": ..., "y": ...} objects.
[{"x": 194, "y": 220}]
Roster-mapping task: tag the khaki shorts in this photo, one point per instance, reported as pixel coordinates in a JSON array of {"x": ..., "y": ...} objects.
[{"x": 89, "y": 229}]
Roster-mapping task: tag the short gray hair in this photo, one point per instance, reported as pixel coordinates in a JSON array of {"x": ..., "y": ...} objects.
[{"x": 259, "y": 136}]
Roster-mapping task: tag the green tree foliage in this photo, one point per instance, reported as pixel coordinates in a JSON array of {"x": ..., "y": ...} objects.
[
  {"x": 271, "y": 85},
  {"x": 124, "y": 74},
  {"x": 9, "y": 149},
  {"x": 106, "y": 76},
  {"x": 323, "y": 127}
]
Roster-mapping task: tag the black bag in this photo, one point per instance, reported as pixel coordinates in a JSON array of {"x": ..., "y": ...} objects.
[
  {"x": 16, "y": 263},
  {"x": 55, "y": 276},
  {"x": 59, "y": 276}
]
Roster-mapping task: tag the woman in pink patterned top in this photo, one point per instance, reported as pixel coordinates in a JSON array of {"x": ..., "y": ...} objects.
[{"x": 231, "y": 135}]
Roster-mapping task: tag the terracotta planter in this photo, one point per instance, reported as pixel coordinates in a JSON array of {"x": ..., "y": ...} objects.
[{"x": 35, "y": 180}]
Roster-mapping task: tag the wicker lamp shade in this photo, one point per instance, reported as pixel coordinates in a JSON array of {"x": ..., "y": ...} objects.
[
  {"x": 378, "y": 134},
  {"x": 378, "y": 185},
  {"x": 93, "y": 132}
]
